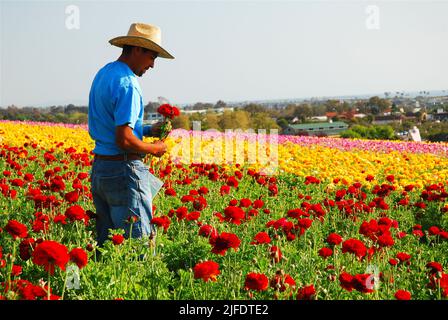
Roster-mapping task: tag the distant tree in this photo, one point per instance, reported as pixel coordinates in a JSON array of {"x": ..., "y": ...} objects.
[
  {"x": 302, "y": 111},
  {"x": 151, "y": 107},
  {"x": 282, "y": 123},
  {"x": 378, "y": 105},
  {"x": 262, "y": 120},
  {"x": 331, "y": 105},
  {"x": 211, "y": 121},
  {"x": 220, "y": 104},
  {"x": 181, "y": 122},
  {"x": 253, "y": 108}
]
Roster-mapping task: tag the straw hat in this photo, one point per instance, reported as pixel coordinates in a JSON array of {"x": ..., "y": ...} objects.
[{"x": 143, "y": 35}]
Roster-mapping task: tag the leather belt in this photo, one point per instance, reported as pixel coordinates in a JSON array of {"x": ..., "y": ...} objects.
[{"x": 121, "y": 157}]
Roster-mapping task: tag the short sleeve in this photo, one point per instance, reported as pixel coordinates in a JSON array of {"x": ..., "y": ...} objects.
[{"x": 127, "y": 107}]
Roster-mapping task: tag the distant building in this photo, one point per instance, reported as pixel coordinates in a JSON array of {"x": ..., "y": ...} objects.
[
  {"x": 217, "y": 110},
  {"x": 442, "y": 116},
  {"x": 387, "y": 119},
  {"x": 347, "y": 115},
  {"x": 319, "y": 118},
  {"x": 153, "y": 118},
  {"x": 315, "y": 129}
]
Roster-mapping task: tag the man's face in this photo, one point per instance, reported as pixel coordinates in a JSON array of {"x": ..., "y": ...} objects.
[{"x": 143, "y": 60}]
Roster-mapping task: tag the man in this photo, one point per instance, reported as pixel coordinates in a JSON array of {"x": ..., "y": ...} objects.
[{"x": 120, "y": 181}]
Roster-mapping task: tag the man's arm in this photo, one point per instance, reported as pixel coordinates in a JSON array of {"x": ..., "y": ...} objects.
[{"x": 127, "y": 141}]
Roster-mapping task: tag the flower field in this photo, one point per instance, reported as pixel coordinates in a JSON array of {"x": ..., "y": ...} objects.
[{"x": 339, "y": 219}]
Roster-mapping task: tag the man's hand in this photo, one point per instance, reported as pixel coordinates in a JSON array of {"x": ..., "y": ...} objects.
[
  {"x": 159, "y": 148},
  {"x": 127, "y": 141}
]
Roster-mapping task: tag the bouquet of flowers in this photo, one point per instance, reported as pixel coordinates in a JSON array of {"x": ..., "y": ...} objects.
[{"x": 168, "y": 112}]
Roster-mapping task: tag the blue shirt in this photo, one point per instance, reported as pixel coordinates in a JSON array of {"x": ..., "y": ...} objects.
[{"x": 115, "y": 99}]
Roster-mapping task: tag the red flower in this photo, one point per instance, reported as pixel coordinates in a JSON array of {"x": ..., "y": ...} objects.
[
  {"x": 163, "y": 221},
  {"x": 50, "y": 254},
  {"x": 386, "y": 240},
  {"x": 276, "y": 254},
  {"x": 200, "y": 203},
  {"x": 256, "y": 281},
  {"x": 26, "y": 248},
  {"x": 403, "y": 295},
  {"x": 233, "y": 202},
  {"x": 363, "y": 283},
  {"x": 258, "y": 204},
  {"x": 206, "y": 271},
  {"x": 170, "y": 192},
  {"x": 208, "y": 231},
  {"x": 433, "y": 231},
  {"x": 17, "y": 182},
  {"x": 234, "y": 214},
  {"x": 280, "y": 281},
  {"x": 181, "y": 213},
  {"x": 168, "y": 111},
  {"x": 390, "y": 178},
  {"x": 75, "y": 213},
  {"x": 306, "y": 293},
  {"x": 304, "y": 223},
  {"x": 245, "y": 203},
  {"x": 334, "y": 239},
  {"x": 354, "y": 246},
  {"x": 325, "y": 252},
  {"x": 224, "y": 190},
  {"x": 203, "y": 190},
  {"x": 435, "y": 267},
  {"x": 16, "y": 270},
  {"x": 261, "y": 238},
  {"x": 187, "y": 198},
  {"x": 224, "y": 242},
  {"x": 16, "y": 229},
  {"x": 232, "y": 182},
  {"x": 117, "y": 239},
  {"x": 194, "y": 215},
  {"x": 78, "y": 256},
  {"x": 72, "y": 196},
  {"x": 402, "y": 256},
  {"x": 60, "y": 218},
  {"x": 393, "y": 262},
  {"x": 82, "y": 175}
]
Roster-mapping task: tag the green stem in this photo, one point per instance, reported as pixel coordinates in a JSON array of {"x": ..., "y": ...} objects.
[{"x": 48, "y": 285}]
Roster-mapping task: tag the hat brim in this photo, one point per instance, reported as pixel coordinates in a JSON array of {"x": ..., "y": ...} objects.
[{"x": 140, "y": 42}]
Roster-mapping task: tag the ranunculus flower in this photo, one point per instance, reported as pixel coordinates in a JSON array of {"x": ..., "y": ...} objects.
[
  {"x": 276, "y": 254},
  {"x": 224, "y": 242},
  {"x": 403, "y": 295},
  {"x": 325, "y": 252},
  {"x": 72, "y": 196},
  {"x": 306, "y": 293},
  {"x": 16, "y": 229},
  {"x": 50, "y": 254},
  {"x": 334, "y": 239},
  {"x": 163, "y": 221},
  {"x": 261, "y": 238},
  {"x": 79, "y": 256},
  {"x": 75, "y": 213},
  {"x": 354, "y": 246},
  {"x": 234, "y": 214},
  {"x": 117, "y": 239},
  {"x": 208, "y": 231},
  {"x": 206, "y": 271},
  {"x": 256, "y": 281}
]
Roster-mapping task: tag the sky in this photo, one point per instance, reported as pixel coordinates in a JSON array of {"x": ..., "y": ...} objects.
[{"x": 231, "y": 51}]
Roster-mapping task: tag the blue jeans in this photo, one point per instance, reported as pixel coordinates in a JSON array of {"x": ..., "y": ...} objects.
[{"x": 121, "y": 190}]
